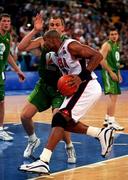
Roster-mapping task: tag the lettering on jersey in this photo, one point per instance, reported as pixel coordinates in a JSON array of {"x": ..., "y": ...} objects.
[
  {"x": 2, "y": 49},
  {"x": 63, "y": 65},
  {"x": 7, "y": 40},
  {"x": 117, "y": 56}
]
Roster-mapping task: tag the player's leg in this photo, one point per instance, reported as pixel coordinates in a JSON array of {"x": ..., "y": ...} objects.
[
  {"x": 63, "y": 121},
  {"x": 3, "y": 134},
  {"x": 112, "y": 104},
  {"x": 57, "y": 133},
  {"x": 37, "y": 102},
  {"x": 111, "y": 113},
  {"x": 27, "y": 113},
  {"x": 70, "y": 150},
  {"x": 59, "y": 124},
  {"x": 88, "y": 98},
  {"x": 112, "y": 89}
]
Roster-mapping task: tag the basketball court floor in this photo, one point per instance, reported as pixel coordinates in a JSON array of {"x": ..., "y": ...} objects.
[{"x": 90, "y": 165}]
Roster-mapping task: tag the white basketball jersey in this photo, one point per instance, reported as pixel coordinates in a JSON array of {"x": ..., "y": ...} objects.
[
  {"x": 65, "y": 62},
  {"x": 89, "y": 92}
]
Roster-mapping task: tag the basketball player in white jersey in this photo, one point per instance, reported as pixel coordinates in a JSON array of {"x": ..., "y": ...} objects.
[{"x": 70, "y": 57}]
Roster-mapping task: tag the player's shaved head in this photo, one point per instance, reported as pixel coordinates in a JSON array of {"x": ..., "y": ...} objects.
[
  {"x": 52, "y": 34},
  {"x": 52, "y": 40}
]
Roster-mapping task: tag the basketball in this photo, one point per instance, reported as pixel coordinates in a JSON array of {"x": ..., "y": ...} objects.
[{"x": 64, "y": 87}]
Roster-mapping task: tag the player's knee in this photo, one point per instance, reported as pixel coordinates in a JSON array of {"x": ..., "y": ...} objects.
[
  {"x": 59, "y": 120},
  {"x": 22, "y": 116},
  {"x": 25, "y": 116}
]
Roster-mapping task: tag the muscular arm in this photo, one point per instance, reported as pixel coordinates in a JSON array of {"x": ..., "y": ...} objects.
[
  {"x": 82, "y": 51},
  {"x": 11, "y": 61},
  {"x": 27, "y": 43},
  {"x": 104, "y": 51}
]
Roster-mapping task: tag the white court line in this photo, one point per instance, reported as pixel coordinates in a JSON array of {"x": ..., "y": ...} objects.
[
  {"x": 15, "y": 124},
  {"x": 48, "y": 123},
  {"x": 102, "y": 163},
  {"x": 120, "y": 144},
  {"x": 74, "y": 142},
  {"x": 92, "y": 165}
]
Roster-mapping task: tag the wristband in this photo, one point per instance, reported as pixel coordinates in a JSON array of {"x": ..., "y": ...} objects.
[{"x": 85, "y": 75}]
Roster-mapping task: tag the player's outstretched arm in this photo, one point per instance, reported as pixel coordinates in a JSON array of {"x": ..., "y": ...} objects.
[{"x": 27, "y": 43}]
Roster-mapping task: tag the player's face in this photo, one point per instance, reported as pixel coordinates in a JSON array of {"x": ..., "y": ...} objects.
[
  {"x": 56, "y": 24},
  {"x": 5, "y": 24},
  {"x": 114, "y": 36},
  {"x": 48, "y": 43}
]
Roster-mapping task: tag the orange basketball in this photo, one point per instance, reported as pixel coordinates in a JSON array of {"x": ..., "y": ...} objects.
[{"x": 63, "y": 86}]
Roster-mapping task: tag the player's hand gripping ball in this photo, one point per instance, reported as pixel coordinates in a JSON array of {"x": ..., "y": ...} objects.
[{"x": 68, "y": 84}]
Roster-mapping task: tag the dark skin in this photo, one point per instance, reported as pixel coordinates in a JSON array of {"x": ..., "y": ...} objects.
[
  {"x": 77, "y": 50},
  {"x": 57, "y": 133}
]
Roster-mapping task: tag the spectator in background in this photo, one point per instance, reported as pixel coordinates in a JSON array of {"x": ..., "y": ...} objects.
[
  {"x": 92, "y": 17},
  {"x": 25, "y": 29},
  {"x": 35, "y": 60}
]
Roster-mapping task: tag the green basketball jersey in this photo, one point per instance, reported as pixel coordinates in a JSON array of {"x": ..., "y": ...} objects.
[
  {"x": 113, "y": 61},
  {"x": 4, "y": 50},
  {"x": 113, "y": 57},
  {"x": 45, "y": 93}
]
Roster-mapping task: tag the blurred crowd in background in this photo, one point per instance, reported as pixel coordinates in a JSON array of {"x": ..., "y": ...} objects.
[{"x": 86, "y": 20}]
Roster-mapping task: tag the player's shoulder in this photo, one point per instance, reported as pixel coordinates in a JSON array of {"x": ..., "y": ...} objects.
[
  {"x": 39, "y": 40},
  {"x": 68, "y": 42},
  {"x": 106, "y": 45},
  {"x": 73, "y": 44}
]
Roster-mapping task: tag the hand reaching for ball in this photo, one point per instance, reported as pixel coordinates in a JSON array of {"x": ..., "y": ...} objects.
[
  {"x": 68, "y": 84},
  {"x": 74, "y": 81}
]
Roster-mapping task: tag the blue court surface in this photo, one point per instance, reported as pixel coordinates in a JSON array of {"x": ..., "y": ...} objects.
[{"x": 87, "y": 150}]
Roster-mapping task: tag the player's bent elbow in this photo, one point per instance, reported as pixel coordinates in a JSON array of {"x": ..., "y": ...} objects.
[{"x": 100, "y": 57}]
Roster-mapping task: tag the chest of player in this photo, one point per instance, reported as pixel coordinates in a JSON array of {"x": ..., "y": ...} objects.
[
  {"x": 115, "y": 54},
  {"x": 66, "y": 63},
  {"x": 4, "y": 47}
]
